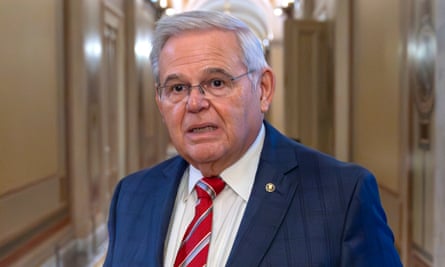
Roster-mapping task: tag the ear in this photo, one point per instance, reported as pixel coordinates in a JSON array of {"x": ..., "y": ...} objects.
[{"x": 267, "y": 87}]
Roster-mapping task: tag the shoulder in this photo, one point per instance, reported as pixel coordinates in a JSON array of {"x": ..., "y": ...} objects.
[
  {"x": 311, "y": 163},
  {"x": 147, "y": 177},
  {"x": 328, "y": 164}
]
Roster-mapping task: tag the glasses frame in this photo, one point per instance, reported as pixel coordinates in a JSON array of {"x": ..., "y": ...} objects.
[{"x": 202, "y": 90}]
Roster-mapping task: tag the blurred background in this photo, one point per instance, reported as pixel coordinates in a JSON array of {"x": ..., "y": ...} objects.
[{"x": 361, "y": 80}]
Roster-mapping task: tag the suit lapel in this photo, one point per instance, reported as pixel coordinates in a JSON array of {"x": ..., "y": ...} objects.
[
  {"x": 265, "y": 210},
  {"x": 167, "y": 188}
]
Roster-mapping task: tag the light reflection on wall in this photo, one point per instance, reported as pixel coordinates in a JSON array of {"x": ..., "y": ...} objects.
[
  {"x": 93, "y": 50},
  {"x": 142, "y": 49}
]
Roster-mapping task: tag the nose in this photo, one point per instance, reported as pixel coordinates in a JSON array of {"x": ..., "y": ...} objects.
[{"x": 197, "y": 100}]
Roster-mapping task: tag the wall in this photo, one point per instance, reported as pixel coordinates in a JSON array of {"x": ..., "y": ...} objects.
[
  {"x": 397, "y": 122},
  {"x": 342, "y": 60},
  {"x": 439, "y": 187},
  {"x": 421, "y": 57},
  {"x": 379, "y": 117},
  {"x": 33, "y": 168},
  {"x": 277, "y": 110},
  {"x": 77, "y": 113}
]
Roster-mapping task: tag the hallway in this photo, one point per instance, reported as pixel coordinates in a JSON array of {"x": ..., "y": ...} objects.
[{"x": 360, "y": 80}]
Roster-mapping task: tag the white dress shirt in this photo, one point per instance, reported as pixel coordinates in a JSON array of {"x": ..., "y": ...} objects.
[{"x": 228, "y": 207}]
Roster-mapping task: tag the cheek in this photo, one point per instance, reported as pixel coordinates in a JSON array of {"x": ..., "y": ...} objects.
[
  {"x": 237, "y": 116},
  {"x": 172, "y": 117},
  {"x": 249, "y": 104}
]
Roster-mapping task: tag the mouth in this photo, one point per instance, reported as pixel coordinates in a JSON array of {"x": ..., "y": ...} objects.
[{"x": 204, "y": 129}]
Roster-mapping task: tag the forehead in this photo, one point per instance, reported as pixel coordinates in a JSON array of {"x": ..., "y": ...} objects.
[{"x": 194, "y": 51}]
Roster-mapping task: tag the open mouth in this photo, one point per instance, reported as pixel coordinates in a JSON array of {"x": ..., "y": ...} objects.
[{"x": 203, "y": 129}]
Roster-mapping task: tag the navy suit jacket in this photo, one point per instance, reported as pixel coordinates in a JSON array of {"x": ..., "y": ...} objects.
[{"x": 322, "y": 213}]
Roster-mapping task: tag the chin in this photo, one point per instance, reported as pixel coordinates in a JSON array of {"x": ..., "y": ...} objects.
[{"x": 204, "y": 155}]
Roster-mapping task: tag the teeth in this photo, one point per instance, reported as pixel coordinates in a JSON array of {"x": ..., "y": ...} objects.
[{"x": 203, "y": 129}]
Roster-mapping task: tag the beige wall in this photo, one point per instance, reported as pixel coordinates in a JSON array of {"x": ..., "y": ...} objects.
[
  {"x": 439, "y": 185},
  {"x": 32, "y": 134},
  {"x": 379, "y": 130},
  {"x": 77, "y": 113},
  {"x": 342, "y": 70},
  {"x": 307, "y": 82},
  {"x": 377, "y": 90},
  {"x": 395, "y": 130},
  {"x": 30, "y": 109},
  {"x": 277, "y": 110}
]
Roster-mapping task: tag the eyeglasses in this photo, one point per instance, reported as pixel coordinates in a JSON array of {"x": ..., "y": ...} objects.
[{"x": 217, "y": 84}]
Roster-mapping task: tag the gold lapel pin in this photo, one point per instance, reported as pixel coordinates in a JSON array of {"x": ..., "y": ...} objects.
[{"x": 270, "y": 187}]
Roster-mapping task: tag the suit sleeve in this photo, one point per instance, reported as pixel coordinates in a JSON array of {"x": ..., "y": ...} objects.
[
  {"x": 112, "y": 227},
  {"x": 367, "y": 239}
]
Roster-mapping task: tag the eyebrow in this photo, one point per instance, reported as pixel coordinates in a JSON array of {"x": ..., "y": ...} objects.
[
  {"x": 171, "y": 77},
  {"x": 217, "y": 70},
  {"x": 175, "y": 76}
]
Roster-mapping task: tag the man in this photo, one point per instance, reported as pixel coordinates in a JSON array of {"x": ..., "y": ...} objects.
[{"x": 275, "y": 202}]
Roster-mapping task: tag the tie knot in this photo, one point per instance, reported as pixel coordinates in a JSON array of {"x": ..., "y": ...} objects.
[{"x": 209, "y": 187}]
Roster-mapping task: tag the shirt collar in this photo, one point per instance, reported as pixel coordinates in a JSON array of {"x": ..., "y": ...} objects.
[{"x": 241, "y": 175}]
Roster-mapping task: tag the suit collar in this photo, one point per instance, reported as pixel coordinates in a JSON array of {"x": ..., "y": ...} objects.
[
  {"x": 265, "y": 210},
  {"x": 168, "y": 184},
  {"x": 175, "y": 168},
  {"x": 278, "y": 151}
]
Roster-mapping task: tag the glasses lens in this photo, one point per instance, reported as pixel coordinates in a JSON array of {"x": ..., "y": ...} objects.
[
  {"x": 174, "y": 92},
  {"x": 217, "y": 84}
]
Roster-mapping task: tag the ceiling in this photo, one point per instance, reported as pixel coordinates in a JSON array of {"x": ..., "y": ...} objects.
[{"x": 258, "y": 14}]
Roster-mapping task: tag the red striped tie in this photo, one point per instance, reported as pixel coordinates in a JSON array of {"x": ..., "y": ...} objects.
[{"x": 194, "y": 247}]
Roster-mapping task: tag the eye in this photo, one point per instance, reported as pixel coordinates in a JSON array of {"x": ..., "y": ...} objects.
[
  {"x": 176, "y": 88},
  {"x": 217, "y": 83}
]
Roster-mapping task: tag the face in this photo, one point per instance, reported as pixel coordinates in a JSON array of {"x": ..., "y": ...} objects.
[{"x": 212, "y": 133}]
